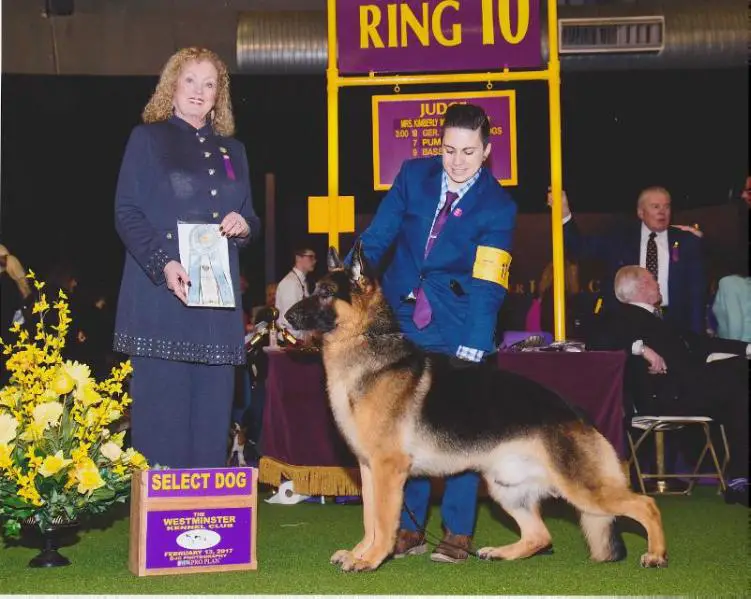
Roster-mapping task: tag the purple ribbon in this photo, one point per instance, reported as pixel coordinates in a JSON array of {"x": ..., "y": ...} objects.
[
  {"x": 228, "y": 167},
  {"x": 674, "y": 255}
]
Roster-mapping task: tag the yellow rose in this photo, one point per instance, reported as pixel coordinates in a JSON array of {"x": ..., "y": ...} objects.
[
  {"x": 47, "y": 414},
  {"x": 53, "y": 464},
  {"x": 8, "y": 428},
  {"x": 62, "y": 383},
  {"x": 5, "y": 461},
  {"x": 111, "y": 451},
  {"x": 88, "y": 478}
]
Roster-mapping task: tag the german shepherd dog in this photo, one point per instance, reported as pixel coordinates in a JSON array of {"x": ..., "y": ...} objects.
[{"x": 405, "y": 412}]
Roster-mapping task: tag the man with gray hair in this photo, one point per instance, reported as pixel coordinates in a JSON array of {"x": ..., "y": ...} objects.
[
  {"x": 677, "y": 372},
  {"x": 672, "y": 253}
]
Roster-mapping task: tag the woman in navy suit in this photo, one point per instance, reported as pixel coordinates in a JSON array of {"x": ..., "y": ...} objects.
[{"x": 181, "y": 165}]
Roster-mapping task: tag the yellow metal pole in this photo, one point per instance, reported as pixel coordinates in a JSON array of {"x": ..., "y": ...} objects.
[
  {"x": 556, "y": 178},
  {"x": 332, "y": 104}
]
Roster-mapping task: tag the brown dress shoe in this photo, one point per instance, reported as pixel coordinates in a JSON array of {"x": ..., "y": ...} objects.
[
  {"x": 409, "y": 542},
  {"x": 453, "y": 549}
]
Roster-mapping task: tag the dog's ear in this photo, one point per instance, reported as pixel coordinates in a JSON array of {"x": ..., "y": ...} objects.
[
  {"x": 360, "y": 267},
  {"x": 333, "y": 262}
]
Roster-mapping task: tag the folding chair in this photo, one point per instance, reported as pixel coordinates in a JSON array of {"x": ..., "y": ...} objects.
[{"x": 659, "y": 425}]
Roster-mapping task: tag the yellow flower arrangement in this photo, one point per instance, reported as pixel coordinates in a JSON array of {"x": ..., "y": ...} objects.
[{"x": 58, "y": 456}]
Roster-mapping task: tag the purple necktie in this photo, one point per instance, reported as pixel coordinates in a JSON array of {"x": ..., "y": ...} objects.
[{"x": 423, "y": 313}]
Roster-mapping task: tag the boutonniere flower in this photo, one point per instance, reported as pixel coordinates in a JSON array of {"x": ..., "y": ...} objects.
[
  {"x": 457, "y": 212},
  {"x": 674, "y": 253},
  {"x": 227, "y": 163}
]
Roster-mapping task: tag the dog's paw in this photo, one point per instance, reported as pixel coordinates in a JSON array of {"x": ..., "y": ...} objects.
[
  {"x": 488, "y": 553},
  {"x": 357, "y": 564},
  {"x": 650, "y": 560},
  {"x": 339, "y": 556}
]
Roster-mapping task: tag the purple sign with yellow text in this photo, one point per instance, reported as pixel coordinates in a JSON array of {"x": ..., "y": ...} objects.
[
  {"x": 409, "y": 126},
  {"x": 200, "y": 482},
  {"x": 400, "y": 36},
  {"x": 197, "y": 538}
]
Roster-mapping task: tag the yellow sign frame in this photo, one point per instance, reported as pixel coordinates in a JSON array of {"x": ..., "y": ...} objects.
[{"x": 552, "y": 74}]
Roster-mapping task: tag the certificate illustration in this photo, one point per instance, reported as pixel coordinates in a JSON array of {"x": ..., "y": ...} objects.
[{"x": 204, "y": 255}]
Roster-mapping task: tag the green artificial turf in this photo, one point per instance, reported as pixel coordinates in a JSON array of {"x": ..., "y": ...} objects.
[{"x": 708, "y": 544}]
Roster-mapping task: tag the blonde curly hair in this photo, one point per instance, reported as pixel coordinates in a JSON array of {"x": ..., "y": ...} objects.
[{"x": 160, "y": 106}]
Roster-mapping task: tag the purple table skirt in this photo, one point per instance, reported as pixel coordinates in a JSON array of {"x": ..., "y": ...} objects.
[{"x": 298, "y": 427}]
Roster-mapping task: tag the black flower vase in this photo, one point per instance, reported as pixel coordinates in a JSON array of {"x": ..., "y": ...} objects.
[{"x": 49, "y": 557}]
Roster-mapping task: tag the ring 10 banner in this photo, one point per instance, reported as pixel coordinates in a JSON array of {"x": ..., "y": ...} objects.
[
  {"x": 409, "y": 126},
  {"x": 398, "y": 36}
]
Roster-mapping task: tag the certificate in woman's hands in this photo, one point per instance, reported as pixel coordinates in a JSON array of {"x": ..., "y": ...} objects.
[{"x": 204, "y": 255}]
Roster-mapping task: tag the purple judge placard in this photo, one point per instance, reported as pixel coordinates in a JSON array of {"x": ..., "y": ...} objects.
[
  {"x": 408, "y": 126},
  {"x": 198, "y": 538},
  {"x": 388, "y": 36}
]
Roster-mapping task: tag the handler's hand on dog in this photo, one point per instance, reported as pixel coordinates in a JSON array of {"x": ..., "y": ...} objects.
[
  {"x": 656, "y": 363},
  {"x": 177, "y": 280},
  {"x": 565, "y": 209},
  {"x": 234, "y": 225}
]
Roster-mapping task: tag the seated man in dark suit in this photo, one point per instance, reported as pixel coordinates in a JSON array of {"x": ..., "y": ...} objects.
[{"x": 689, "y": 374}]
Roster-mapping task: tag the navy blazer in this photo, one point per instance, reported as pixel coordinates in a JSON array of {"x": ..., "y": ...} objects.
[
  {"x": 172, "y": 172},
  {"x": 464, "y": 306},
  {"x": 621, "y": 247}
]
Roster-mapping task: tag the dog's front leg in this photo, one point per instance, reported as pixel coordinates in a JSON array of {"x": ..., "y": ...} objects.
[
  {"x": 366, "y": 488},
  {"x": 388, "y": 475}
]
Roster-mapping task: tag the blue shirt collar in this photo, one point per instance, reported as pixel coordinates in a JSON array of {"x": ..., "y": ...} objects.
[{"x": 462, "y": 190}]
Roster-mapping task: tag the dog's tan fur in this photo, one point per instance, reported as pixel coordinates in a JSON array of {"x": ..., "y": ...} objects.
[{"x": 379, "y": 410}]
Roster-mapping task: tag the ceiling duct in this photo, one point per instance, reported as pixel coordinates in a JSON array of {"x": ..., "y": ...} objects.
[{"x": 636, "y": 35}]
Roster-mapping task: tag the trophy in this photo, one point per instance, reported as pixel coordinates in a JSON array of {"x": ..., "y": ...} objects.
[{"x": 275, "y": 332}]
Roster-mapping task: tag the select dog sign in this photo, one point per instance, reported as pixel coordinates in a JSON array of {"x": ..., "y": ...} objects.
[{"x": 186, "y": 521}]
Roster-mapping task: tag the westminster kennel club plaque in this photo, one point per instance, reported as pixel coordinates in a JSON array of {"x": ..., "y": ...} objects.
[{"x": 193, "y": 520}]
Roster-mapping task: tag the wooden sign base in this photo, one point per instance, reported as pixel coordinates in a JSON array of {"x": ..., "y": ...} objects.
[{"x": 189, "y": 521}]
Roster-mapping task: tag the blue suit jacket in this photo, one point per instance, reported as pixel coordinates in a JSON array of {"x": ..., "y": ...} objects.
[
  {"x": 464, "y": 307},
  {"x": 686, "y": 279}
]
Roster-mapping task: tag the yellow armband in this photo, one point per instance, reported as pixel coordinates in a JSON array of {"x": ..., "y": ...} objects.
[{"x": 492, "y": 264}]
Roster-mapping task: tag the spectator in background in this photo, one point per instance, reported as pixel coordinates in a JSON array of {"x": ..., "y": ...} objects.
[
  {"x": 673, "y": 254},
  {"x": 294, "y": 286},
  {"x": 15, "y": 293},
  {"x": 677, "y": 372},
  {"x": 540, "y": 315},
  {"x": 732, "y": 307},
  {"x": 15, "y": 290},
  {"x": 264, "y": 313}
]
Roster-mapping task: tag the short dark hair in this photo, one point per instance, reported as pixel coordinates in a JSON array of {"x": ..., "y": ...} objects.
[
  {"x": 468, "y": 116},
  {"x": 303, "y": 250}
]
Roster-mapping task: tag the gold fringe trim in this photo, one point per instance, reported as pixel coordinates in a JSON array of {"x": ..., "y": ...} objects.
[
  {"x": 311, "y": 480},
  {"x": 335, "y": 480}
]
